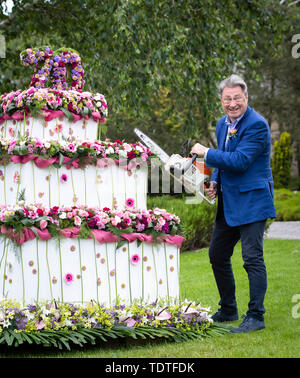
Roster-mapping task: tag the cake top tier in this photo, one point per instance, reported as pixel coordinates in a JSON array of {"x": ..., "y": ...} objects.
[{"x": 56, "y": 86}]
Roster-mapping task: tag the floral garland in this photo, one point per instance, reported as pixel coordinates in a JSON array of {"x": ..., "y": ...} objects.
[
  {"x": 73, "y": 153},
  {"x": 62, "y": 324},
  {"x": 34, "y": 100},
  {"x": 23, "y": 222}
]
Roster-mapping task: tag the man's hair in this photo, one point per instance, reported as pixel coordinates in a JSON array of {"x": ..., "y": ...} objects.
[{"x": 231, "y": 82}]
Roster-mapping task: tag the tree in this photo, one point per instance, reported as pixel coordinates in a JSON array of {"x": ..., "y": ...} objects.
[
  {"x": 133, "y": 49},
  {"x": 274, "y": 87}
]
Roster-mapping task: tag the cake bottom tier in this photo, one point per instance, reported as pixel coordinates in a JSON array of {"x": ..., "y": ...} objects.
[{"x": 81, "y": 270}]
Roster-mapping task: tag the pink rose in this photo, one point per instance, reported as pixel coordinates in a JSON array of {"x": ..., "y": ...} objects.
[{"x": 43, "y": 224}]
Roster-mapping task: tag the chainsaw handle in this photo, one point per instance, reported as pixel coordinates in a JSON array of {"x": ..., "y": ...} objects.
[{"x": 191, "y": 161}]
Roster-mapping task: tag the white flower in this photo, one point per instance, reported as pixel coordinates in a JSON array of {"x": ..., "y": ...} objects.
[
  {"x": 99, "y": 97},
  {"x": 109, "y": 150},
  {"x": 139, "y": 149},
  {"x": 161, "y": 221},
  {"x": 29, "y": 315},
  {"x": 63, "y": 215},
  {"x": 127, "y": 147},
  {"x": 122, "y": 153},
  {"x": 68, "y": 323},
  {"x": 45, "y": 311},
  {"x": 6, "y": 323}
]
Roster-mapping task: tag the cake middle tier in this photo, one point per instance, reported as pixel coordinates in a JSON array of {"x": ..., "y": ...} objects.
[{"x": 110, "y": 186}]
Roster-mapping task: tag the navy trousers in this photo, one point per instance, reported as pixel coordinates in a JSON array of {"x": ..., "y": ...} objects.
[{"x": 221, "y": 248}]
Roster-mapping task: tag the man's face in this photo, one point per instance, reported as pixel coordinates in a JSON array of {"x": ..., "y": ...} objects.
[{"x": 234, "y": 102}]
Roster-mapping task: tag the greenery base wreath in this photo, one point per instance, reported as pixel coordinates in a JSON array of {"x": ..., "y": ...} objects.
[{"x": 63, "y": 325}]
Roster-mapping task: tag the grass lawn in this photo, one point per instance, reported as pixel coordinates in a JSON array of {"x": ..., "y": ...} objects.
[{"x": 279, "y": 339}]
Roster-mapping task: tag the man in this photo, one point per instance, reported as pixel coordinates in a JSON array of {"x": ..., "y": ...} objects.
[{"x": 243, "y": 181}]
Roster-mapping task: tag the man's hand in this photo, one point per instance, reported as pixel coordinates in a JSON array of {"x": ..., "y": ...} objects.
[
  {"x": 211, "y": 191},
  {"x": 199, "y": 150}
]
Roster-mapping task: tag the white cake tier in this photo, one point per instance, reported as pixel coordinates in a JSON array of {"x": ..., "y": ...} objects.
[
  {"x": 56, "y": 129},
  {"x": 92, "y": 186},
  {"x": 80, "y": 270}
]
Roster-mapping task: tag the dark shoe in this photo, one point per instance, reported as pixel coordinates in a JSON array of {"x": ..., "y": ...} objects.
[
  {"x": 249, "y": 324},
  {"x": 220, "y": 317}
]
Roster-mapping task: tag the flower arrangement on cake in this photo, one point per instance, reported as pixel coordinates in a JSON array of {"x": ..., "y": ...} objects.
[
  {"x": 22, "y": 222},
  {"x": 49, "y": 102},
  {"x": 72, "y": 153}
]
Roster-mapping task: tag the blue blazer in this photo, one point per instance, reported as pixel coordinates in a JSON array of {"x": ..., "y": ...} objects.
[{"x": 243, "y": 170}]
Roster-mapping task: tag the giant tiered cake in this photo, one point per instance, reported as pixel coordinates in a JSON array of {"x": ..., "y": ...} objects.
[{"x": 73, "y": 217}]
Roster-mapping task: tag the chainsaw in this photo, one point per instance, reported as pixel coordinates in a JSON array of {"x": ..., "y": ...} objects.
[{"x": 188, "y": 171}]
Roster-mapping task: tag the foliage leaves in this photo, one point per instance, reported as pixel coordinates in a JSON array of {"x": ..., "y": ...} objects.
[{"x": 82, "y": 336}]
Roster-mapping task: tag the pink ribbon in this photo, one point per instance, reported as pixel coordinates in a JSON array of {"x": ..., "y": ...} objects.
[
  {"x": 134, "y": 236},
  {"x": 97, "y": 117},
  {"x": 38, "y": 161},
  {"x": 70, "y": 232},
  {"x": 43, "y": 234},
  {"x": 104, "y": 236},
  {"x": 4, "y": 118},
  {"x": 49, "y": 114},
  {"x": 43, "y": 163},
  {"x": 18, "y": 237},
  {"x": 101, "y": 236},
  {"x": 20, "y": 159},
  {"x": 108, "y": 237},
  {"x": 74, "y": 163},
  {"x": 17, "y": 116},
  {"x": 172, "y": 239}
]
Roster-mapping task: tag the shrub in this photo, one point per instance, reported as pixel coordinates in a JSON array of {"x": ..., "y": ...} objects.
[
  {"x": 282, "y": 160},
  {"x": 197, "y": 219}
]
